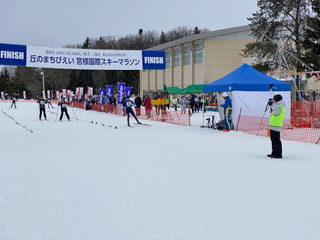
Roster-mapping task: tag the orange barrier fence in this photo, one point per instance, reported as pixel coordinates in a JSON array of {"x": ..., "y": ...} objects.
[
  {"x": 258, "y": 126},
  {"x": 155, "y": 114},
  {"x": 305, "y": 114}
]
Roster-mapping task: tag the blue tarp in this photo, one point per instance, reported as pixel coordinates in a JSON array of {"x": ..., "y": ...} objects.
[{"x": 246, "y": 78}]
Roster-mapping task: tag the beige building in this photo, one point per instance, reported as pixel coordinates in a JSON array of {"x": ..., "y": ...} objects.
[
  {"x": 198, "y": 59},
  {"x": 312, "y": 84}
]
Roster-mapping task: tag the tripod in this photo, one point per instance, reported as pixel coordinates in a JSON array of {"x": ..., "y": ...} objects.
[
  {"x": 266, "y": 109},
  {"x": 211, "y": 123}
]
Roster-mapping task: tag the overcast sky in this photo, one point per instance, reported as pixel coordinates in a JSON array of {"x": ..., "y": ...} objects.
[{"x": 59, "y": 22}]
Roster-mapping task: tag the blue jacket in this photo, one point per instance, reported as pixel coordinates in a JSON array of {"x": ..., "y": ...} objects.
[{"x": 227, "y": 104}]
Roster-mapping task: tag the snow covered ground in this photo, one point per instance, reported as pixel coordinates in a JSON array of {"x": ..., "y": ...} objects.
[{"x": 78, "y": 180}]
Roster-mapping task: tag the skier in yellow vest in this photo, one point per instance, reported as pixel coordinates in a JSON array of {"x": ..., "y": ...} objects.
[{"x": 275, "y": 125}]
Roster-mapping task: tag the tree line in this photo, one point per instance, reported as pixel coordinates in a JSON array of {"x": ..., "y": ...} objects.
[{"x": 14, "y": 80}]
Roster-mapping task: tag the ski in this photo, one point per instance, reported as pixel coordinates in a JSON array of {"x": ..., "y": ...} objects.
[{"x": 143, "y": 124}]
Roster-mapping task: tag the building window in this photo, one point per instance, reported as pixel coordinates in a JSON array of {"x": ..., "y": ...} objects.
[
  {"x": 186, "y": 56},
  {"x": 198, "y": 53},
  {"x": 176, "y": 58},
  {"x": 168, "y": 60}
]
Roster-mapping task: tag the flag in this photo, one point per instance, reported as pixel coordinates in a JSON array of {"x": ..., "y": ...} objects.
[
  {"x": 109, "y": 93},
  {"x": 90, "y": 91},
  {"x": 102, "y": 93},
  {"x": 24, "y": 95},
  {"x": 2, "y": 95},
  {"x": 64, "y": 93},
  {"x": 57, "y": 94},
  {"x": 128, "y": 91},
  {"x": 121, "y": 86},
  {"x": 48, "y": 94}
]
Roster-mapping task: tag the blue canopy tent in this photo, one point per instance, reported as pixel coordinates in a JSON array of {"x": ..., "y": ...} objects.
[
  {"x": 249, "y": 90},
  {"x": 246, "y": 78}
]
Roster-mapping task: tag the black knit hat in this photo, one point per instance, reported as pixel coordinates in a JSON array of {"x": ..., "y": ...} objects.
[{"x": 277, "y": 97}]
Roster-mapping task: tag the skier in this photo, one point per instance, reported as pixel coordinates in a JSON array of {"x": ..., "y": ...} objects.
[
  {"x": 14, "y": 99},
  {"x": 129, "y": 103},
  {"x": 63, "y": 105},
  {"x": 275, "y": 125},
  {"x": 42, "y": 105}
]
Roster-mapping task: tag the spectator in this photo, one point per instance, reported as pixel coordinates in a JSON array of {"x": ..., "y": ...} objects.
[
  {"x": 148, "y": 106},
  {"x": 138, "y": 103}
]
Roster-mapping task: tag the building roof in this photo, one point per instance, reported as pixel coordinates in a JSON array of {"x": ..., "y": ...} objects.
[
  {"x": 195, "y": 37},
  {"x": 246, "y": 78}
]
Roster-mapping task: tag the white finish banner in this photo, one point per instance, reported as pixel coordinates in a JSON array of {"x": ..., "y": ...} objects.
[
  {"x": 46, "y": 57},
  {"x": 75, "y": 58}
]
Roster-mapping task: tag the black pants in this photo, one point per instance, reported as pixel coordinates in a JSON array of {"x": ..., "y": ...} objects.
[
  {"x": 44, "y": 113},
  {"x": 64, "y": 110},
  {"x": 13, "y": 103},
  {"x": 196, "y": 107},
  {"x": 130, "y": 111},
  {"x": 276, "y": 143},
  {"x": 192, "y": 107}
]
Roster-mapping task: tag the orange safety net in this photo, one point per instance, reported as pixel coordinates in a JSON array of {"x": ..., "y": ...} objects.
[
  {"x": 305, "y": 114},
  {"x": 304, "y": 125},
  {"x": 155, "y": 114}
]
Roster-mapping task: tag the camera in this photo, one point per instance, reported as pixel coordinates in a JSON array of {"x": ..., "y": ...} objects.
[{"x": 270, "y": 101}]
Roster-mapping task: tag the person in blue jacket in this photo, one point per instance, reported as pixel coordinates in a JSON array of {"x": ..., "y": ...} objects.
[
  {"x": 129, "y": 104},
  {"x": 227, "y": 110}
]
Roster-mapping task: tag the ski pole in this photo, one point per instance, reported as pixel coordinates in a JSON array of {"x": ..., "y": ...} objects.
[
  {"x": 74, "y": 114},
  {"x": 266, "y": 109},
  {"x": 50, "y": 113},
  {"x": 57, "y": 113}
]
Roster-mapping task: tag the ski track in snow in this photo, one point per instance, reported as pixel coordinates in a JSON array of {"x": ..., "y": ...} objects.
[{"x": 78, "y": 180}]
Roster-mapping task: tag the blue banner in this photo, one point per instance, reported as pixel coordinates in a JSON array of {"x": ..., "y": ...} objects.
[
  {"x": 128, "y": 91},
  {"x": 13, "y": 54},
  {"x": 153, "y": 60},
  {"x": 121, "y": 86},
  {"x": 109, "y": 93},
  {"x": 102, "y": 93},
  {"x": 109, "y": 90}
]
